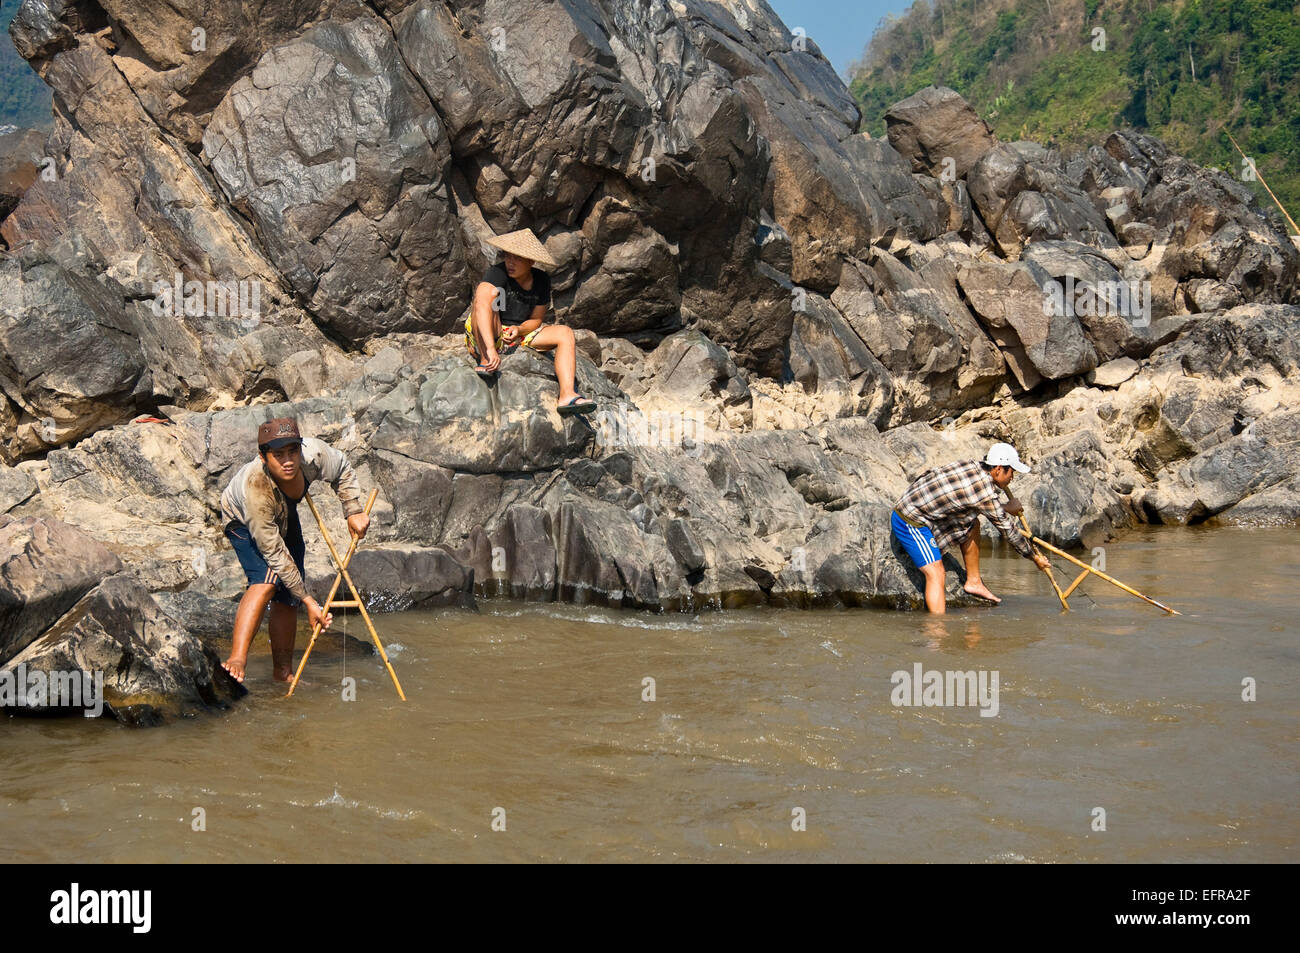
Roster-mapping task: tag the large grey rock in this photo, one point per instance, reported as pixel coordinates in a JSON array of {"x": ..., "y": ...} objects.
[
  {"x": 447, "y": 416},
  {"x": 935, "y": 125},
  {"x": 391, "y": 578},
  {"x": 1009, "y": 301},
  {"x": 1115, "y": 311},
  {"x": 333, "y": 150},
  {"x": 153, "y": 670},
  {"x": 46, "y": 566},
  {"x": 15, "y": 487}
]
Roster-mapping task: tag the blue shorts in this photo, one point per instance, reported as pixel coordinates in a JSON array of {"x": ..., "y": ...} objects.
[
  {"x": 917, "y": 540},
  {"x": 255, "y": 567}
]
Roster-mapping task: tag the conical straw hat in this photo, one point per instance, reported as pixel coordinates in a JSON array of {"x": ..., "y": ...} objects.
[{"x": 524, "y": 244}]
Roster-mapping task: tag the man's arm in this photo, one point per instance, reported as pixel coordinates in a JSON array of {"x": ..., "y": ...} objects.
[
  {"x": 999, "y": 517},
  {"x": 338, "y": 473},
  {"x": 1012, "y": 505},
  {"x": 535, "y": 321}
]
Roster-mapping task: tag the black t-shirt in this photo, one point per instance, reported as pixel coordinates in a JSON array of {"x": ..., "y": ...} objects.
[{"x": 519, "y": 303}]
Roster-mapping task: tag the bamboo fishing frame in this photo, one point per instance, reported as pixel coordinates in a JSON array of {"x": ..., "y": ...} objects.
[
  {"x": 1050, "y": 577},
  {"x": 1084, "y": 575},
  {"x": 355, "y": 602}
]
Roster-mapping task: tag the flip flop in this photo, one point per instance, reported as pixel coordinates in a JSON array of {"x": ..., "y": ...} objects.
[
  {"x": 579, "y": 405},
  {"x": 485, "y": 374}
]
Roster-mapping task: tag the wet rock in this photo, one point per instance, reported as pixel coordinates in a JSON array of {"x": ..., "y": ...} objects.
[
  {"x": 528, "y": 553},
  {"x": 393, "y": 577},
  {"x": 153, "y": 670}
]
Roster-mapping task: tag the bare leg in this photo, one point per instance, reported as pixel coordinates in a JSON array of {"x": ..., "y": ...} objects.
[
  {"x": 936, "y": 600},
  {"x": 487, "y": 326},
  {"x": 283, "y": 626},
  {"x": 247, "y": 618},
  {"x": 559, "y": 338},
  {"x": 970, "y": 552}
]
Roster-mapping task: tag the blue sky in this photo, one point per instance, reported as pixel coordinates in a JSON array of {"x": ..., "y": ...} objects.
[{"x": 840, "y": 27}]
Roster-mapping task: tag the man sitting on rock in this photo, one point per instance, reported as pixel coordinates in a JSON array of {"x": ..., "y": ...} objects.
[
  {"x": 260, "y": 511},
  {"x": 943, "y": 506},
  {"x": 510, "y": 305}
]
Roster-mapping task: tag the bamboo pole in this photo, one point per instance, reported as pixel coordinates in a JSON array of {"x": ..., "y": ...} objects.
[
  {"x": 329, "y": 600},
  {"x": 1110, "y": 579},
  {"x": 1259, "y": 175},
  {"x": 1075, "y": 585},
  {"x": 343, "y": 571},
  {"x": 1050, "y": 577}
]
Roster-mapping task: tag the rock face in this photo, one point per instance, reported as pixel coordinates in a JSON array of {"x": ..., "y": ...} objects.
[
  {"x": 21, "y": 154},
  {"x": 68, "y": 612},
  {"x": 334, "y": 152},
  {"x": 935, "y": 125},
  {"x": 783, "y": 320}
]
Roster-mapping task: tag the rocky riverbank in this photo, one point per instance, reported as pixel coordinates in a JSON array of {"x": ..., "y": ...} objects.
[{"x": 782, "y": 319}]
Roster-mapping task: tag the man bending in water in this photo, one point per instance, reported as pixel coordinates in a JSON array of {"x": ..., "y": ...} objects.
[
  {"x": 260, "y": 512},
  {"x": 943, "y": 506}
]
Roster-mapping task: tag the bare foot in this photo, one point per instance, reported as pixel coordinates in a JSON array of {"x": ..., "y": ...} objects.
[
  {"x": 977, "y": 588},
  {"x": 284, "y": 675},
  {"x": 235, "y": 666}
]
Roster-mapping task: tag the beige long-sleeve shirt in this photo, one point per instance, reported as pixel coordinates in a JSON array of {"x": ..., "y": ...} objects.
[{"x": 252, "y": 498}]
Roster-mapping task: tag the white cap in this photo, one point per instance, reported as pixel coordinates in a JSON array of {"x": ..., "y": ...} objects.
[{"x": 1004, "y": 455}]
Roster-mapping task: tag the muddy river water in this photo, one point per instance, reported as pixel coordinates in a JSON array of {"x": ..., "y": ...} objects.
[{"x": 532, "y": 733}]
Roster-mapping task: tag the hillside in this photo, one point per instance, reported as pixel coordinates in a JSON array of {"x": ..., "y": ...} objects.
[
  {"x": 1038, "y": 69},
  {"x": 24, "y": 99}
]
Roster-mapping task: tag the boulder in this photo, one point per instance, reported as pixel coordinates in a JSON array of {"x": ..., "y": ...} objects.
[
  {"x": 391, "y": 578},
  {"x": 937, "y": 124},
  {"x": 1037, "y": 344},
  {"x": 152, "y": 669},
  {"x": 46, "y": 567},
  {"x": 335, "y": 153}
]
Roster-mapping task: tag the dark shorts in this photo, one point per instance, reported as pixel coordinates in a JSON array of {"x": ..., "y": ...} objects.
[{"x": 255, "y": 567}]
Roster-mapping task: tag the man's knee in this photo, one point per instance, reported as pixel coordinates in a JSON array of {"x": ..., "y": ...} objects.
[{"x": 260, "y": 593}]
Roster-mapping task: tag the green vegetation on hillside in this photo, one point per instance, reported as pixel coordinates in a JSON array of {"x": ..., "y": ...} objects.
[
  {"x": 1038, "y": 69},
  {"x": 24, "y": 99}
]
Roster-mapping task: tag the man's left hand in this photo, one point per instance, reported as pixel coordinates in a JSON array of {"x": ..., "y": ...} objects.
[
  {"x": 1014, "y": 508},
  {"x": 358, "y": 524}
]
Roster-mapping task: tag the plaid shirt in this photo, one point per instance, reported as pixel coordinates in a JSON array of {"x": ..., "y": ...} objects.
[{"x": 950, "y": 499}]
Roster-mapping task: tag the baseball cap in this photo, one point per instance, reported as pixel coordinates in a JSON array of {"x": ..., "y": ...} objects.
[
  {"x": 278, "y": 433},
  {"x": 1004, "y": 455}
]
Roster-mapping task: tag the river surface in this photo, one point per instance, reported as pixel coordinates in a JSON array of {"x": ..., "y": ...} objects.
[{"x": 534, "y": 717}]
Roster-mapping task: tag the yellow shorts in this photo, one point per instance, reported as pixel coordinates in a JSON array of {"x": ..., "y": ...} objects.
[{"x": 469, "y": 337}]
